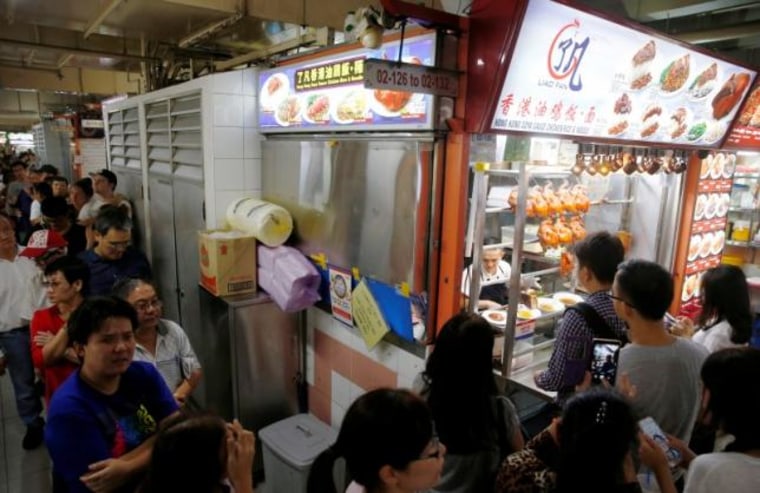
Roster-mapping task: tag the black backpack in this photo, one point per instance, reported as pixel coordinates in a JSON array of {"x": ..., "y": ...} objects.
[{"x": 598, "y": 325}]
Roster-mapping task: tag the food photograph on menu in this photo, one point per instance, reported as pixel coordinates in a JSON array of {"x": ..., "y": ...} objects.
[
  {"x": 328, "y": 94},
  {"x": 561, "y": 81}
]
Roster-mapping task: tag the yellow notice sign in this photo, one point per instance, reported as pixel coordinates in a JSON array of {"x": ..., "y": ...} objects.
[{"x": 367, "y": 316}]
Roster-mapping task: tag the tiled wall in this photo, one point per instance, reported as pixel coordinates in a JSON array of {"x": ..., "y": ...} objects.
[
  {"x": 236, "y": 141},
  {"x": 339, "y": 367}
]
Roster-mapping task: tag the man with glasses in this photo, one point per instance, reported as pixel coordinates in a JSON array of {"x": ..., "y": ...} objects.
[
  {"x": 112, "y": 258},
  {"x": 663, "y": 368},
  {"x": 597, "y": 258},
  {"x": 161, "y": 342}
]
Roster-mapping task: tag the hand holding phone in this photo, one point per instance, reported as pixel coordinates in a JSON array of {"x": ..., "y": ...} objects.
[
  {"x": 604, "y": 360},
  {"x": 650, "y": 427}
]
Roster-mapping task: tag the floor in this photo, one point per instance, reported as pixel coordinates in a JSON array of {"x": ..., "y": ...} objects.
[{"x": 20, "y": 471}]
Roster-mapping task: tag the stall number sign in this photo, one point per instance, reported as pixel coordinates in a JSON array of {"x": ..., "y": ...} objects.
[{"x": 410, "y": 77}]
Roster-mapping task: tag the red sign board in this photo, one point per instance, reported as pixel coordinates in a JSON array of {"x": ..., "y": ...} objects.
[{"x": 746, "y": 131}]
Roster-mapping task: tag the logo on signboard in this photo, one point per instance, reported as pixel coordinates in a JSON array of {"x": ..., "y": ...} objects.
[{"x": 566, "y": 55}]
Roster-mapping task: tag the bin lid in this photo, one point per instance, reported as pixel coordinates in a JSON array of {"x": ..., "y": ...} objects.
[{"x": 298, "y": 439}]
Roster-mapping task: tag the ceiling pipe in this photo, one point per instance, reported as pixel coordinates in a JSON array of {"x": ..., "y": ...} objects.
[
  {"x": 77, "y": 51},
  {"x": 102, "y": 15},
  {"x": 302, "y": 40},
  {"x": 747, "y": 30},
  {"x": 209, "y": 30}
]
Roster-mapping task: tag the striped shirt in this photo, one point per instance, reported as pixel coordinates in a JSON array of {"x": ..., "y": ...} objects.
[
  {"x": 174, "y": 358},
  {"x": 573, "y": 331}
]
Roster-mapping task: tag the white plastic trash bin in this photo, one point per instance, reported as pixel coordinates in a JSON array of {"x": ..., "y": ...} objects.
[{"x": 290, "y": 447}]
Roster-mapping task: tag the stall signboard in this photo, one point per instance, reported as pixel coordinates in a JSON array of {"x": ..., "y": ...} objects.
[
  {"x": 576, "y": 74},
  {"x": 328, "y": 94},
  {"x": 746, "y": 132},
  {"x": 708, "y": 226}
]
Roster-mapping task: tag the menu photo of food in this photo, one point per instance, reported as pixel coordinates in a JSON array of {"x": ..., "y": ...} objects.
[
  {"x": 650, "y": 121},
  {"x": 351, "y": 107},
  {"x": 274, "y": 90},
  {"x": 691, "y": 287},
  {"x": 674, "y": 76},
  {"x": 288, "y": 112},
  {"x": 730, "y": 94},
  {"x": 694, "y": 244},
  {"x": 317, "y": 108},
  {"x": 700, "y": 206},
  {"x": 677, "y": 123},
  {"x": 390, "y": 103},
  {"x": 641, "y": 66},
  {"x": 620, "y": 114},
  {"x": 704, "y": 83},
  {"x": 750, "y": 116}
]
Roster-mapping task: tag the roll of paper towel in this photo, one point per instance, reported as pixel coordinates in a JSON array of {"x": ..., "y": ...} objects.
[{"x": 269, "y": 223}]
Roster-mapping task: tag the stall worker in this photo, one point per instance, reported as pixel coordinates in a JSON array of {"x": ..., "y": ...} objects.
[
  {"x": 112, "y": 258},
  {"x": 494, "y": 276},
  {"x": 102, "y": 419}
]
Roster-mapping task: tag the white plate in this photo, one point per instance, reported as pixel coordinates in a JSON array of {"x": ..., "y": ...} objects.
[
  {"x": 360, "y": 105},
  {"x": 269, "y": 101},
  {"x": 706, "y": 245},
  {"x": 670, "y": 127},
  {"x": 724, "y": 202},
  {"x": 551, "y": 305},
  {"x": 694, "y": 243},
  {"x": 715, "y": 131},
  {"x": 691, "y": 138},
  {"x": 700, "y": 206},
  {"x": 294, "y": 118},
  {"x": 711, "y": 208},
  {"x": 705, "y": 165},
  {"x": 305, "y": 112},
  {"x": 567, "y": 298},
  {"x": 689, "y": 287},
  {"x": 534, "y": 313},
  {"x": 487, "y": 314},
  {"x": 730, "y": 166},
  {"x": 718, "y": 242}
]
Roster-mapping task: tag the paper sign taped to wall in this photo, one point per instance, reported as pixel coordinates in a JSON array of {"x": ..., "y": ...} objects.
[{"x": 367, "y": 316}]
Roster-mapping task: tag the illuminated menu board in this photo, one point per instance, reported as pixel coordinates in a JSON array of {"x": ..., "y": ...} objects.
[
  {"x": 708, "y": 227},
  {"x": 575, "y": 74},
  {"x": 746, "y": 131},
  {"x": 328, "y": 94}
]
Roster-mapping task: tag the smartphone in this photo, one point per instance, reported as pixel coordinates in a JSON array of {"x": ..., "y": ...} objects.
[
  {"x": 650, "y": 427},
  {"x": 604, "y": 360}
]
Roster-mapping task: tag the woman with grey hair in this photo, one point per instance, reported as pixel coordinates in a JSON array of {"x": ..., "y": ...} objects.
[{"x": 160, "y": 341}]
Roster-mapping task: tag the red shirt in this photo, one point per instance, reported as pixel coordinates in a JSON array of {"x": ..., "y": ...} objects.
[{"x": 49, "y": 320}]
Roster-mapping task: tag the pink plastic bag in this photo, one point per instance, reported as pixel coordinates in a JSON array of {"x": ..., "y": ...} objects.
[{"x": 289, "y": 278}]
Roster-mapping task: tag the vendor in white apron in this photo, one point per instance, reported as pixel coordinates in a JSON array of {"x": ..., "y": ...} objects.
[{"x": 494, "y": 276}]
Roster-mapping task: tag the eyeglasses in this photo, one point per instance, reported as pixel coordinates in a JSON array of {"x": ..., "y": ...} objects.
[
  {"x": 621, "y": 300},
  {"x": 118, "y": 245},
  {"x": 143, "y": 306}
]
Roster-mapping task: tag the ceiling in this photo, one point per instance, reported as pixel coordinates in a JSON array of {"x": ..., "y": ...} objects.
[{"x": 108, "y": 47}]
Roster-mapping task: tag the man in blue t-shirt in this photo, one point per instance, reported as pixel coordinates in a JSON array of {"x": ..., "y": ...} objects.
[
  {"x": 113, "y": 258},
  {"x": 102, "y": 419}
]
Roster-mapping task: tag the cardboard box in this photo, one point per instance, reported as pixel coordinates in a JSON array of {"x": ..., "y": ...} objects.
[{"x": 227, "y": 263}]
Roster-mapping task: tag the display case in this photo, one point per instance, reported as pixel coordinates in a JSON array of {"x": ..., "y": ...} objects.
[{"x": 507, "y": 212}]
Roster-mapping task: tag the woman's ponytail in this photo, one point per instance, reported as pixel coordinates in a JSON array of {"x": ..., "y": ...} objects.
[{"x": 321, "y": 473}]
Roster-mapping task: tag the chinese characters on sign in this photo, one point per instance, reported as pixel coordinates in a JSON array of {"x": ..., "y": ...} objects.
[{"x": 330, "y": 75}]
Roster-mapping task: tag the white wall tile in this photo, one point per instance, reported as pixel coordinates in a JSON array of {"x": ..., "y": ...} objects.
[
  {"x": 228, "y": 142},
  {"x": 409, "y": 364},
  {"x": 252, "y": 173},
  {"x": 336, "y": 415},
  {"x": 404, "y": 381},
  {"x": 356, "y": 391},
  {"x": 252, "y": 143},
  {"x": 310, "y": 365},
  {"x": 229, "y": 82},
  {"x": 340, "y": 389},
  {"x": 250, "y": 81},
  {"x": 223, "y": 200},
  {"x": 386, "y": 354},
  {"x": 249, "y": 111},
  {"x": 229, "y": 174},
  {"x": 228, "y": 110}
]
